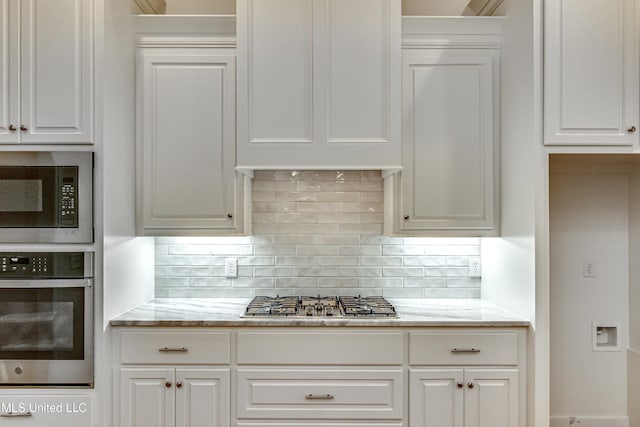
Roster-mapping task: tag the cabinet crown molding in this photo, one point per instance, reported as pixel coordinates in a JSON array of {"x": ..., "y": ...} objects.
[
  {"x": 452, "y": 32},
  {"x": 185, "y": 31}
]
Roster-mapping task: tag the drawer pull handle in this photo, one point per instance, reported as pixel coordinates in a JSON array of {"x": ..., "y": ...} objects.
[
  {"x": 465, "y": 350},
  {"x": 16, "y": 414},
  {"x": 319, "y": 396},
  {"x": 173, "y": 350}
]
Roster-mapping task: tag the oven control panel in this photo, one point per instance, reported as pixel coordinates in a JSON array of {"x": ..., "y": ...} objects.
[{"x": 42, "y": 265}]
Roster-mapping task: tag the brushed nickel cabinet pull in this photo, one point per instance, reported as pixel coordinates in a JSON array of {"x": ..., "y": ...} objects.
[
  {"x": 174, "y": 350},
  {"x": 465, "y": 350},
  {"x": 16, "y": 414},
  {"x": 319, "y": 396}
]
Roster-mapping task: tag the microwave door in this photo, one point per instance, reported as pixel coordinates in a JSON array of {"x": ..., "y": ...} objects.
[{"x": 28, "y": 197}]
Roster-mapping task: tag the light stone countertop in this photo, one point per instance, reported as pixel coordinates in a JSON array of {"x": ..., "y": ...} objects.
[{"x": 226, "y": 312}]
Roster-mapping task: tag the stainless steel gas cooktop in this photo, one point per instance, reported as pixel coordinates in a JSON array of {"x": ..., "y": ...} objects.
[{"x": 317, "y": 306}]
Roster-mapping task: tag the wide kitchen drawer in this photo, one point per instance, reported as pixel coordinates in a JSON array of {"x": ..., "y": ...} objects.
[
  {"x": 320, "y": 348},
  {"x": 374, "y": 394},
  {"x": 463, "y": 348},
  {"x": 175, "y": 347}
]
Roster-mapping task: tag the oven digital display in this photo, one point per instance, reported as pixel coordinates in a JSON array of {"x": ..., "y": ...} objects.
[{"x": 18, "y": 260}]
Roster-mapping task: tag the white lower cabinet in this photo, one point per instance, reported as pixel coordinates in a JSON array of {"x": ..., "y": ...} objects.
[
  {"x": 167, "y": 377},
  {"x": 463, "y": 397},
  {"x": 178, "y": 397},
  {"x": 467, "y": 378},
  {"x": 320, "y": 377},
  {"x": 329, "y": 377}
]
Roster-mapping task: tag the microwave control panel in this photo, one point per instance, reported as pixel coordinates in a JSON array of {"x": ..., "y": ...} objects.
[
  {"x": 41, "y": 265},
  {"x": 68, "y": 184}
]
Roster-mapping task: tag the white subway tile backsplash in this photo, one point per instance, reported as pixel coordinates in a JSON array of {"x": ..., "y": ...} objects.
[{"x": 317, "y": 232}]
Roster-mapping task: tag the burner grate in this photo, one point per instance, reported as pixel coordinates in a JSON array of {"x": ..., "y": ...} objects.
[{"x": 317, "y": 306}]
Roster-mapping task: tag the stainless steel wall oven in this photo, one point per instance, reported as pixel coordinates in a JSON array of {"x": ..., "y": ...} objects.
[
  {"x": 46, "y": 318},
  {"x": 46, "y": 197}
]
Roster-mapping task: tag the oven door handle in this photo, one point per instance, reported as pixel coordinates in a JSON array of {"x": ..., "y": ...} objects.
[
  {"x": 16, "y": 414},
  {"x": 46, "y": 283}
]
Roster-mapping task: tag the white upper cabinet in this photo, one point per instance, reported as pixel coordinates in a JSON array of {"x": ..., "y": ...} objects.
[
  {"x": 591, "y": 72},
  {"x": 318, "y": 83},
  {"x": 186, "y": 150},
  {"x": 450, "y": 184},
  {"x": 46, "y": 57}
]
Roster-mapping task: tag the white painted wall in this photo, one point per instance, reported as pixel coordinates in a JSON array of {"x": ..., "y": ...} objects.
[
  {"x": 589, "y": 221},
  {"x": 509, "y": 262}
]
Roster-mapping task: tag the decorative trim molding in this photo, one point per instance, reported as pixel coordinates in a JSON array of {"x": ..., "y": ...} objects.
[
  {"x": 458, "y": 32},
  {"x": 185, "y": 30}
]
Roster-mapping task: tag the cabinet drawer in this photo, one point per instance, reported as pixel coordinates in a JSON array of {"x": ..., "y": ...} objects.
[
  {"x": 463, "y": 348},
  {"x": 175, "y": 347},
  {"x": 320, "y": 394},
  {"x": 35, "y": 411},
  {"x": 320, "y": 348}
]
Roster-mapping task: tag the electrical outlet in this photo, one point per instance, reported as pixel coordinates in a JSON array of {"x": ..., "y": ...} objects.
[
  {"x": 475, "y": 268},
  {"x": 230, "y": 267}
]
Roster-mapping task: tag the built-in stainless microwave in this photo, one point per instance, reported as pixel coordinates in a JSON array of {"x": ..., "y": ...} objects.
[{"x": 46, "y": 197}]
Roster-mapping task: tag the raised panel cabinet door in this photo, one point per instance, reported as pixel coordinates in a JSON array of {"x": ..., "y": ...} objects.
[
  {"x": 319, "y": 83},
  {"x": 492, "y": 398},
  {"x": 436, "y": 398},
  {"x": 186, "y": 147},
  {"x": 146, "y": 397},
  {"x": 9, "y": 70},
  {"x": 275, "y": 64},
  {"x": 450, "y": 147},
  {"x": 361, "y": 89},
  {"x": 590, "y": 72},
  {"x": 202, "y": 398},
  {"x": 56, "y": 71}
]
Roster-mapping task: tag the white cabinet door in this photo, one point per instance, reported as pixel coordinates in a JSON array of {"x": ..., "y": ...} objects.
[
  {"x": 147, "y": 397},
  {"x": 464, "y": 397},
  {"x": 187, "y": 183},
  {"x": 56, "y": 69},
  {"x": 491, "y": 398},
  {"x": 202, "y": 397},
  {"x": 46, "y": 89},
  {"x": 450, "y": 181},
  {"x": 318, "y": 83},
  {"x": 591, "y": 72},
  {"x": 9, "y": 69},
  {"x": 436, "y": 398}
]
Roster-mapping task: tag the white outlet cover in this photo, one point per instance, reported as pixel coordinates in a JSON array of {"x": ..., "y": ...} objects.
[
  {"x": 231, "y": 267},
  {"x": 475, "y": 267}
]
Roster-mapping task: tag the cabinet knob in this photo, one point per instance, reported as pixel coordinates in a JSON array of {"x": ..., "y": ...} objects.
[
  {"x": 406, "y": 217},
  {"x": 229, "y": 215},
  {"x": 632, "y": 129},
  {"x": 179, "y": 384},
  {"x": 12, "y": 128},
  {"x": 167, "y": 384},
  {"x": 459, "y": 384},
  {"x": 470, "y": 385},
  {"x": 23, "y": 128}
]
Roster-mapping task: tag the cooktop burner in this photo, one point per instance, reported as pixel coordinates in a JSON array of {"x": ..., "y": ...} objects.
[{"x": 317, "y": 306}]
